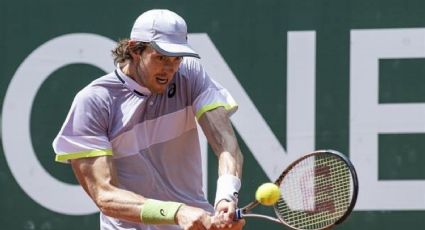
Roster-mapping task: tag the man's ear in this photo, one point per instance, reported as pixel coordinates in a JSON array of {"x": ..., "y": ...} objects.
[{"x": 131, "y": 47}]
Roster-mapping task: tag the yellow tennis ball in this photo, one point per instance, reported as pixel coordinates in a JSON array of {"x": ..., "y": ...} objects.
[{"x": 267, "y": 194}]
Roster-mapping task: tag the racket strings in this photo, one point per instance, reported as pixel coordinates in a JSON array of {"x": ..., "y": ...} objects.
[{"x": 315, "y": 193}]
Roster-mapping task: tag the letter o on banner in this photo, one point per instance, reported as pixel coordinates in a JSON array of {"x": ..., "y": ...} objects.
[{"x": 78, "y": 48}]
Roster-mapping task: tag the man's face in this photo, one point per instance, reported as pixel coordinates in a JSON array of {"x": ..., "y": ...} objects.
[{"x": 157, "y": 70}]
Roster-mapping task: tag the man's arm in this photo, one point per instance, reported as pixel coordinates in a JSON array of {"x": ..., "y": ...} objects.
[
  {"x": 222, "y": 139},
  {"x": 97, "y": 176}
]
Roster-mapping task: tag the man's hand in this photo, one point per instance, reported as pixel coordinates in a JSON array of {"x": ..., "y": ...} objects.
[
  {"x": 226, "y": 211},
  {"x": 224, "y": 216},
  {"x": 191, "y": 218},
  {"x": 237, "y": 225}
]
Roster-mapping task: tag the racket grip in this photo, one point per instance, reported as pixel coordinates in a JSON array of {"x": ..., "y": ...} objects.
[{"x": 238, "y": 214}]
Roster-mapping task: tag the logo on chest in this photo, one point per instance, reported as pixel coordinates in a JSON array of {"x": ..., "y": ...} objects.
[{"x": 171, "y": 90}]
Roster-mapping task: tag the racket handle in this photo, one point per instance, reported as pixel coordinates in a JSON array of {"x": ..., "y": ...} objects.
[{"x": 238, "y": 214}]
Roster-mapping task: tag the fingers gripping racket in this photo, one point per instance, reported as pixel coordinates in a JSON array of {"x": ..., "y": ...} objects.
[{"x": 318, "y": 191}]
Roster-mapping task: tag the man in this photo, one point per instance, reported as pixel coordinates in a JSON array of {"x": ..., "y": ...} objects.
[{"x": 131, "y": 135}]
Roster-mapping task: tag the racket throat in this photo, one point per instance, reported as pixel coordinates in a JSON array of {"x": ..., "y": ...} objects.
[{"x": 250, "y": 215}]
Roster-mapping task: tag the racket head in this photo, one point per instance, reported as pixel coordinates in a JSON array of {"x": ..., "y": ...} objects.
[{"x": 318, "y": 190}]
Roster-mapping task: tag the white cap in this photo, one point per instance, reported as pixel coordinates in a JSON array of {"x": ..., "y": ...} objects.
[{"x": 165, "y": 31}]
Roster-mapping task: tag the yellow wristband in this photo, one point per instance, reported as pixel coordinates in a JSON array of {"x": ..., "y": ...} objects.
[{"x": 159, "y": 212}]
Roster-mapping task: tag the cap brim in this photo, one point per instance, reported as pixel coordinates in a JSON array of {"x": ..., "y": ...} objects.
[{"x": 174, "y": 50}]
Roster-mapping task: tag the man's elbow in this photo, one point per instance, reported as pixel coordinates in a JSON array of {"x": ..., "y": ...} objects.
[
  {"x": 104, "y": 202},
  {"x": 103, "y": 198}
]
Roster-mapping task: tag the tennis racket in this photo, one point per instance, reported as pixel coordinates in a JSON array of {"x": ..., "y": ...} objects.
[{"x": 318, "y": 191}]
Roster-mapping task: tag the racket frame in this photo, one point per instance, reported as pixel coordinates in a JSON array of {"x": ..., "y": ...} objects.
[{"x": 244, "y": 212}]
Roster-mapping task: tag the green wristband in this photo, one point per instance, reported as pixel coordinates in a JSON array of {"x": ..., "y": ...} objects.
[{"x": 159, "y": 212}]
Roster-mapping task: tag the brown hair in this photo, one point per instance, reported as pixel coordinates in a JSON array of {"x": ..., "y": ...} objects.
[{"x": 121, "y": 53}]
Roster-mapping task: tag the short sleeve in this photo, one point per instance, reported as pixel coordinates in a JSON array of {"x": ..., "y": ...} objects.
[
  {"x": 206, "y": 93},
  {"x": 84, "y": 132}
]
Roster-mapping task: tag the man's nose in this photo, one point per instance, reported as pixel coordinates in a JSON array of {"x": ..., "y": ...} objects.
[{"x": 169, "y": 65}]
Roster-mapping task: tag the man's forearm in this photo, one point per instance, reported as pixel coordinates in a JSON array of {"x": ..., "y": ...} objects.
[
  {"x": 230, "y": 163},
  {"x": 97, "y": 176},
  {"x": 222, "y": 139}
]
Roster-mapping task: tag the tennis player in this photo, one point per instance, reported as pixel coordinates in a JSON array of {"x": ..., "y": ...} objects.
[{"x": 131, "y": 135}]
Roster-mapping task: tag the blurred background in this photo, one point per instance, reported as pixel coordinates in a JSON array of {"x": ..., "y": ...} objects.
[{"x": 308, "y": 74}]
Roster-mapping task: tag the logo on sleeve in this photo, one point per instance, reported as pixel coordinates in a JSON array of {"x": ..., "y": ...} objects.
[{"x": 162, "y": 212}]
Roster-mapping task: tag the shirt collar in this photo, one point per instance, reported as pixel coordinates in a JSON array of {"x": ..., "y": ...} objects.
[{"x": 131, "y": 84}]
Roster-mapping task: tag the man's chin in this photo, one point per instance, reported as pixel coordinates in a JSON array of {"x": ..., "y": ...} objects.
[{"x": 159, "y": 91}]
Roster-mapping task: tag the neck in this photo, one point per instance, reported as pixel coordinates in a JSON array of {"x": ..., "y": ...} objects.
[{"x": 131, "y": 70}]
